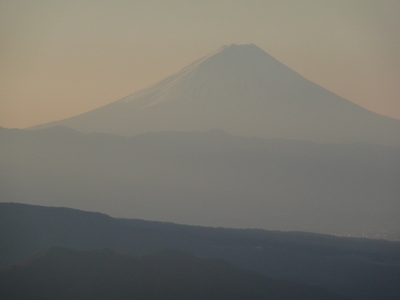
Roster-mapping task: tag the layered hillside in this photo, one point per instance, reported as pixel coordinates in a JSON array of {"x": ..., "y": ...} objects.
[
  {"x": 60, "y": 273},
  {"x": 358, "y": 268}
]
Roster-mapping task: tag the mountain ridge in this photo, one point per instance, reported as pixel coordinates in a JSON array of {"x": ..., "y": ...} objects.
[{"x": 207, "y": 178}]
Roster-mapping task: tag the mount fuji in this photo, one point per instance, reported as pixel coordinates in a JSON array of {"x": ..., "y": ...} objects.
[{"x": 244, "y": 91}]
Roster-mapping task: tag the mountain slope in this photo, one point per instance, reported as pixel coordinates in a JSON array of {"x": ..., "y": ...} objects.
[
  {"x": 59, "y": 273},
  {"x": 244, "y": 91},
  {"x": 359, "y": 268}
]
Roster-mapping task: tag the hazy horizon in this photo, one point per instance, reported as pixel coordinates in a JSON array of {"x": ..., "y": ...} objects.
[{"x": 60, "y": 60}]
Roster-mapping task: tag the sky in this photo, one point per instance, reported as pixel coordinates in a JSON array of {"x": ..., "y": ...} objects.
[{"x": 62, "y": 58}]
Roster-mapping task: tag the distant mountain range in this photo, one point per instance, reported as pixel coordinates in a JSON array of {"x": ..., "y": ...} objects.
[
  {"x": 208, "y": 178},
  {"x": 356, "y": 268},
  {"x": 243, "y": 91},
  {"x": 60, "y": 273}
]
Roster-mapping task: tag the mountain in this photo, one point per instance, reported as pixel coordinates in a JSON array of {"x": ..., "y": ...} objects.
[
  {"x": 208, "y": 178},
  {"x": 353, "y": 267},
  {"x": 60, "y": 273},
  {"x": 243, "y": 91}
]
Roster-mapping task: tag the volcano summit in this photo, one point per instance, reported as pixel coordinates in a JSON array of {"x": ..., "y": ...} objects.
[{"x": 242, "y": 90}]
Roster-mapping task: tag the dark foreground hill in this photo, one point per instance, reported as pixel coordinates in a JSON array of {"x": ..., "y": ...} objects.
[
  {"x": 358, "y": 268},
  {"x": 61, "y": 273}
]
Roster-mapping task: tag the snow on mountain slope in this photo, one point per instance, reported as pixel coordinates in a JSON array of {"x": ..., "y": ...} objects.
[{"x": 244, "y": 91}]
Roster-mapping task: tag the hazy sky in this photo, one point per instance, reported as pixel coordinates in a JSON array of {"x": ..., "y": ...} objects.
[{"x": 61, "y": 58}]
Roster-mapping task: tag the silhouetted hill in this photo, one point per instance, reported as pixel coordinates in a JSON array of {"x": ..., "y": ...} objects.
[
  {"x": 60, "y": 273},
  {"x": 359, "y": 268},
  {"x": 210, "y": 179}
]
